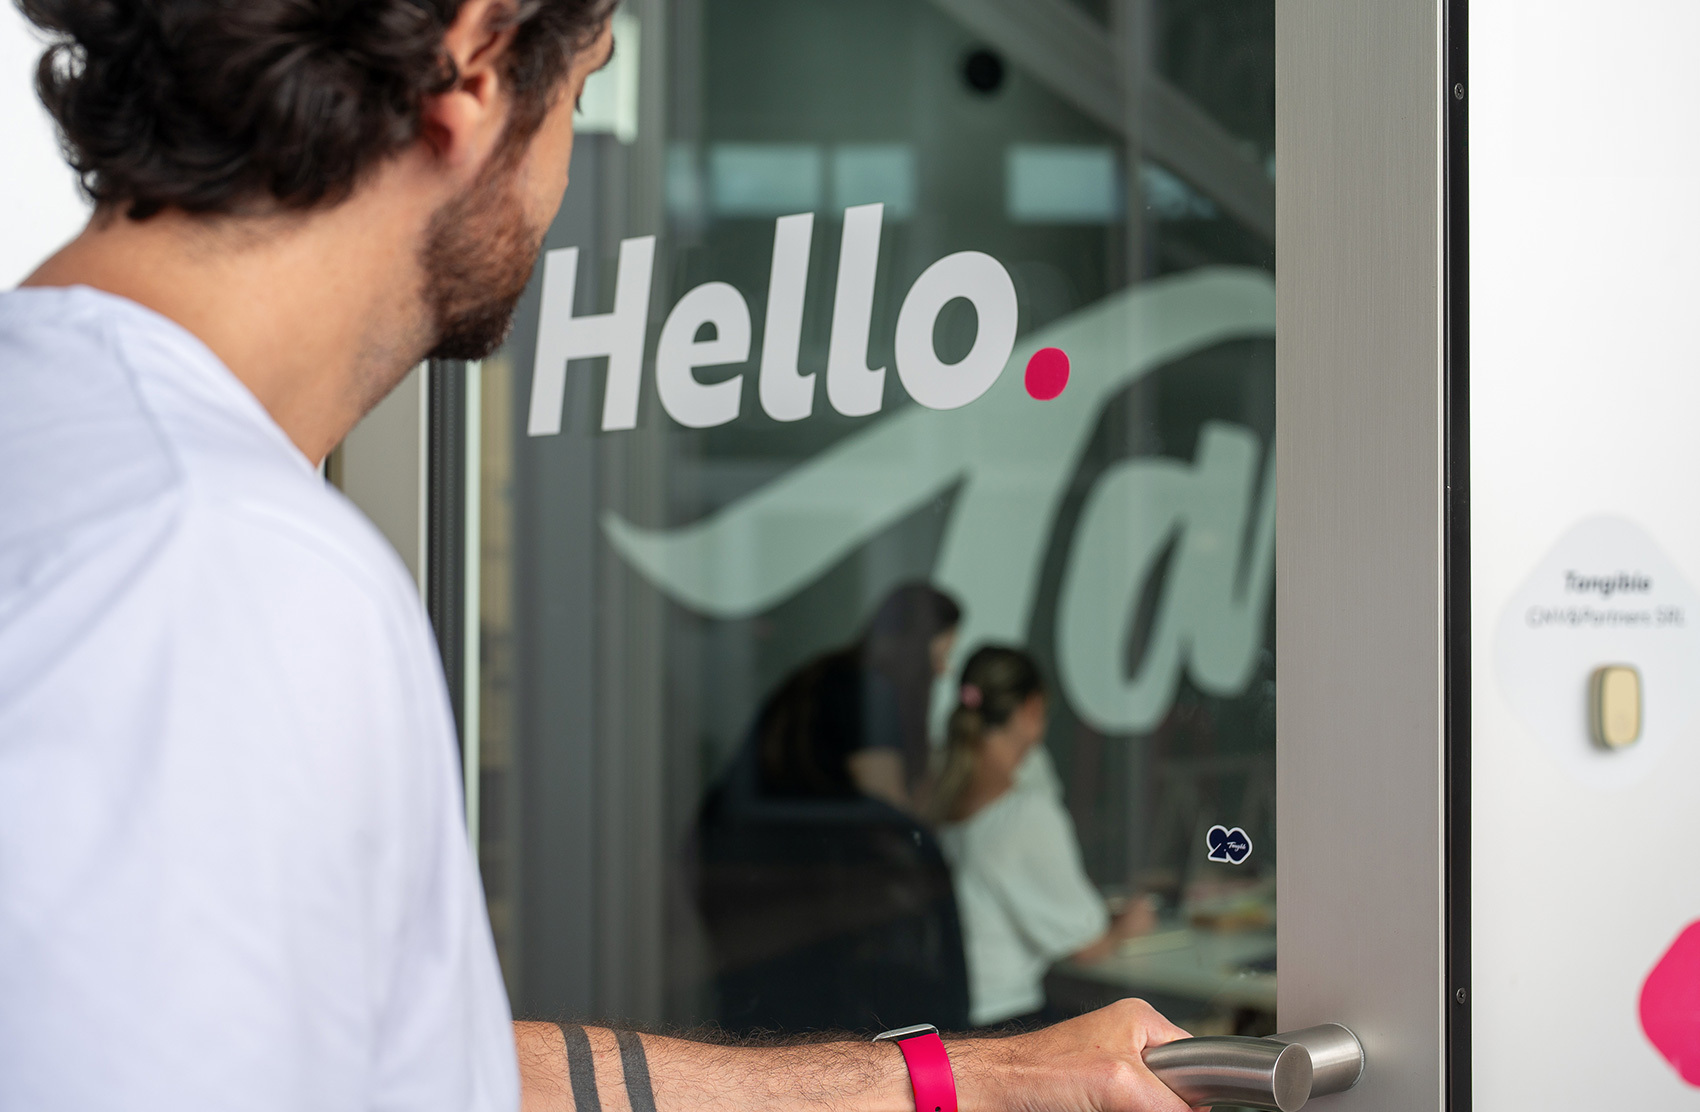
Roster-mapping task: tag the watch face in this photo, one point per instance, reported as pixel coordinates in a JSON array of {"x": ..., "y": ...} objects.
[{"x": 900, "y": 1033}]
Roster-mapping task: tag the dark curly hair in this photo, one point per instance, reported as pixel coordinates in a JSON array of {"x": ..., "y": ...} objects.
[{"x": 219, "y": 106}]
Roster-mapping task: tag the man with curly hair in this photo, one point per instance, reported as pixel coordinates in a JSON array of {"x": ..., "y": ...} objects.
[{"x": 233, "y": 872}]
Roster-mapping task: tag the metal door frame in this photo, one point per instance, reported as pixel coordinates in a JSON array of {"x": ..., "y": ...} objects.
[{"x": 1372, "y": 549}]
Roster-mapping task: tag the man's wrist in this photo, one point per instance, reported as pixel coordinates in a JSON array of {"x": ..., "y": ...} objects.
[
  {"x": 931, "y": 1075},
  {"x": 987, "y": 1075}
]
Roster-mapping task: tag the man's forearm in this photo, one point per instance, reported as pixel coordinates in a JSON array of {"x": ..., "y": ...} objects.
[
  {"x": 684, "y": 1076},
  {"x": 1089, "y": 1064}
]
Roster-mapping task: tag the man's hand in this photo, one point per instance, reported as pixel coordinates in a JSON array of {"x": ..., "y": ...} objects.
[{"x": 1088, "y": 1064}]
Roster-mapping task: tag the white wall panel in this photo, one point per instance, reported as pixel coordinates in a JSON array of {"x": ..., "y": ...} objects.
[{"x": 1585, "y": 176}]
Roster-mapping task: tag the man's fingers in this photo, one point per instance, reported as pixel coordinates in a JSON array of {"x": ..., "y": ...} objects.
[
  {"x": 1155, "y": 1028},
  {"x": 1123, "y": 1031},
  {"x": 1159, "y": 1098},
  {"x": 1159, "y": 1032}
]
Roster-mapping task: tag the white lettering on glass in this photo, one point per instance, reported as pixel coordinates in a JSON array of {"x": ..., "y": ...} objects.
[
  {"x": 695, "y": 404},
  {"x": 619, "y": 336},
  {"x": 855, "y": 389},
  {"x": 1013, "y": 462},
  {"x": 982, "y": 281},
  {"x": 1210, "y": 619},
  {"x": 1012, "y": 465},
  {"x": 787, "y": 395}
]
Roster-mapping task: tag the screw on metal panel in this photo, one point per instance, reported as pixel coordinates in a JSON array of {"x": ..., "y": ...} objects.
[
  {"x": 1459, "y": 996},
  {"x": 1458, "y": 90}
]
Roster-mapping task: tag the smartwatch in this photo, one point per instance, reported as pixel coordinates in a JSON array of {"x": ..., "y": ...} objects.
[{"x": 930, "y": 1076}]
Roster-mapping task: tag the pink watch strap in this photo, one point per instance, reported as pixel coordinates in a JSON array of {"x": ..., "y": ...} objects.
[{"x": 930, "y": 1075}]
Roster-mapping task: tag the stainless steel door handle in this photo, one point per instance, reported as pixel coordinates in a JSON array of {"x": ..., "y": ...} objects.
[{"x": 1280, "y": 1073}]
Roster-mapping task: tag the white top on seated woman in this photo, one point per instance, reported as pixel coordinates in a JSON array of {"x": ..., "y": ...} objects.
[{"x": 1022, "y": 892}]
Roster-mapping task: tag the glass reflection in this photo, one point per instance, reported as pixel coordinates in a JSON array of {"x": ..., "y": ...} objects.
[
  {"x": 827, "y": 903},
  {"x": 1024, "y": 896},
  {"x": 713, "y": 788}
]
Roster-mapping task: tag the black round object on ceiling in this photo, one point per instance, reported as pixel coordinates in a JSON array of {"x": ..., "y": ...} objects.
[{"x": 984, "y": 71}]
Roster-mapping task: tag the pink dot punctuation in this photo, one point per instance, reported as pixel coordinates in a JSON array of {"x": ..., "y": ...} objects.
[{"x": 1047, "y": 373}]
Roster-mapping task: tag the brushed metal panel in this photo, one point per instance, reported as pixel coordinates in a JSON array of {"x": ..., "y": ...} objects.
[{"x": 1360, "y": 583}]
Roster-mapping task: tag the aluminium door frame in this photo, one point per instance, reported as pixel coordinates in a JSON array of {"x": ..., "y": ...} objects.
[
  {"x": 1372, "y": 540},
  {"x": 1456, "y": 185}
]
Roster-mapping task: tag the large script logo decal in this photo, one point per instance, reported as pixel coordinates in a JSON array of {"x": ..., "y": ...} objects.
[{"x": 1012, "y": 456}]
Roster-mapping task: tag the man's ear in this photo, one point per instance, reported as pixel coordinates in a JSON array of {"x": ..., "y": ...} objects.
[{"x": 464, "y": 125}]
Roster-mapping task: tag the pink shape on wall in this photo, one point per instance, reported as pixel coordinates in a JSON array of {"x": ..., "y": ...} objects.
[{"x": 1670, "y": 1005}]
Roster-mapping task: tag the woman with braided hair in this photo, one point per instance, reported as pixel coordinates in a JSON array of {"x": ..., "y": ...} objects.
[{"x": 1022, "y": 892}]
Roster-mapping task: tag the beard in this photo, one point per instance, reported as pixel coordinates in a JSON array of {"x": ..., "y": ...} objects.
[{"x": 478, "y": 257}]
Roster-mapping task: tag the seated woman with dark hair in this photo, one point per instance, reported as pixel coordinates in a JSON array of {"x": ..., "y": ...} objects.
[
  {"x": 828, "y": 904},
  {"x": 1024, "y": 896},
  {"x": 855, "y": 720}
]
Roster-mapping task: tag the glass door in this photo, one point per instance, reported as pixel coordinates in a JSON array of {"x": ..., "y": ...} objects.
[{"x": 893, "y": 362}]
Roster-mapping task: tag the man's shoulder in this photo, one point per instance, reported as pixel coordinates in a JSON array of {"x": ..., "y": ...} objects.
[
  {"x": 141, "y": 488},
  {"x": 300, "y": 537},
  {"x": 77, "y": 446},
  {"x": 114, "y": 422},
  {"x": 261, "y": 586}
]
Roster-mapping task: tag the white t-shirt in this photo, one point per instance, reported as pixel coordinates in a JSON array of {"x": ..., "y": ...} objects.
[
  {"x": 1024, "y": 898},
  {"x": 233, "y": 870}
]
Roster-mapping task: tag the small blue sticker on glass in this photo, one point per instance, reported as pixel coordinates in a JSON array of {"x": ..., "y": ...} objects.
[{"x": 1231, "y": 847}]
